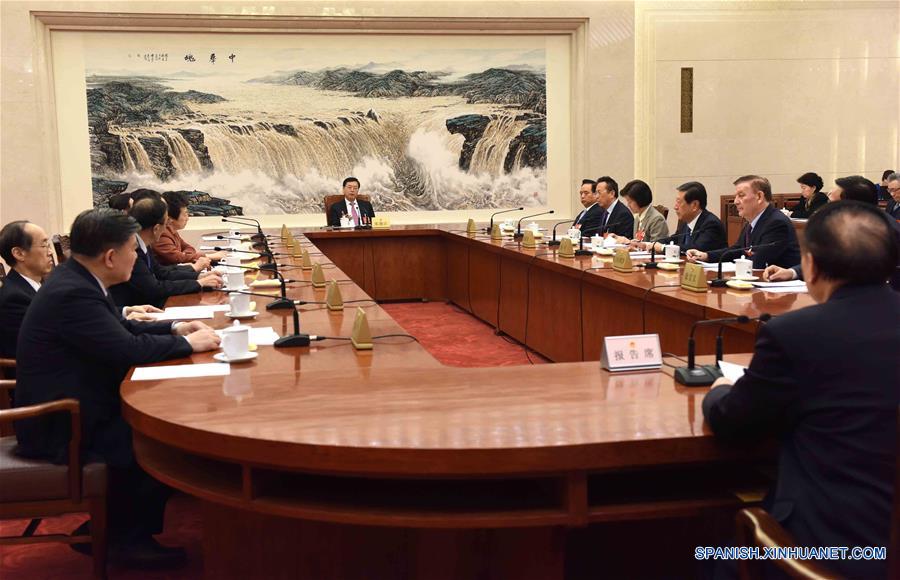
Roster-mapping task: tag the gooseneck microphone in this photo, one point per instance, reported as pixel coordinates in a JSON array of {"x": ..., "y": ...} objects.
[
  {"x": 519, "y": 235},
  {"x": 295, "y": 339},
  {"x": 553, "y": 243},
  {"x": 266, "y": 253},
  {"x": 720, "y": 347},
  {"x": 491, "y": 226},
  {"x": 282, "y": 302},
  {"x": 719, "y": 281},
  {"x": 702, "y": 376},
  {"x": 652, "y": 264},
  {"x": 258, "y": 236}
]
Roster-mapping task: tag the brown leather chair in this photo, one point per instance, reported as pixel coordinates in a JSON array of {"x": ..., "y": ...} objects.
[
  {"x": 6, "y": 366},
  {"x": 755, "y": 527},
  {"x": 62, "y": 247},
  {"x": 37, "y": 489},
  {"x": 663, "y": 210},
  {"x": 330, "y": 200}
]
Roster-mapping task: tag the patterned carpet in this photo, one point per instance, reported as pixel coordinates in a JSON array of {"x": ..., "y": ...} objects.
[{"x": 451, "y": 335}]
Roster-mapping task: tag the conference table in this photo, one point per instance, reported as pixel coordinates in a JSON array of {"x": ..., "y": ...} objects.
[{"x": 330, "y": 462}]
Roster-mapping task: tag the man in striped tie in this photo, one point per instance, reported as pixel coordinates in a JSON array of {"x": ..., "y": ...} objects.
[{"x": 358, "y": 211}]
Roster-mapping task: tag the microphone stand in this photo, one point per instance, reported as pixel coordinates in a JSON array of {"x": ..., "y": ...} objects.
[
  {"x": 581, "y": 251},
  {"x": 279, "y": 304},
  {"x": 554, "y": 242},
  {"x": 259, "y": 235},
  {"x": 491, "y": 226},
  {"x": 519, "y": 235},
  {"x": 719, "y": 281},
  {"x": 702, "y": 376},
  {"x": 653, "y": 264},
  {"x": 266, "y": 253},
  {"x": 295, "y": 339},
  {"x": 720, "y": 346}
]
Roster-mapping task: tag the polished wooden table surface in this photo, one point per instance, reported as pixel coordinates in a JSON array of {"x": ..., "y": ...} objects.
[{"x": 372, "y": 449}]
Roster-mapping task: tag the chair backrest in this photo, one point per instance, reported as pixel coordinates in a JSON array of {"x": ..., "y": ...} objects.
[
  {"x": 663, "y": 210},
  {"x": 62, "y": 247},
  {"x": 2, "y": 273},
  {"x": 330, "y": 200}
]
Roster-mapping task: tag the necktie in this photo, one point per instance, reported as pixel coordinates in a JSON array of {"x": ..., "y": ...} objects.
[
  {"x": 605, "y": 217},
  {"x": 687, "y": 234},
  {"x": 355, "y": 214},
  {"x": 747, "y": 235},
  {"x": 581, "y": 215}
]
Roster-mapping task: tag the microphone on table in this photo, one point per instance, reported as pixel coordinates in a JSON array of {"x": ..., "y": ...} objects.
[
  {"x": 581, "y": 251},
  {"x": 266, "y": 253},
  {"x": 283, "y": 301},
  {"x": 704, "y": 375},
  {"x": 720, "y": 347},
  {"x": 653, "y": 264},
  {"x": 719, "y": 281},
  {"x": 491, "y": 226},
  {"x": 553, "y": 243},
  {"x": 259, "y": 235},
  {"x": 519, "y": 235}
]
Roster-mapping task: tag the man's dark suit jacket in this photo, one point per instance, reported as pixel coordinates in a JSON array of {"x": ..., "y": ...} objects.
[
  {"x": 339, "y": 209},
  {"x": 16, "y": 295},
  {"x": 590, "y": 220},
  {"x": 74, "y": 343},
  {"x": 773, "y": 226},
  {"x": 893, "y": 209},
  {"x": 620, "y": 221},
  {"x": 826, "y": 381},
  {"x": 708, "y": 234},
  {"x": 152, "y": 283}
]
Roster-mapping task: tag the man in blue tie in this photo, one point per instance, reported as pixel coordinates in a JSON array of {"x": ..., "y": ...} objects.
[{"x": 698, "y": 228}]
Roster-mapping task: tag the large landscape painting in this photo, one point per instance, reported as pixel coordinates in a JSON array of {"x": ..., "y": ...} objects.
[{"x": 272, "y": 132}]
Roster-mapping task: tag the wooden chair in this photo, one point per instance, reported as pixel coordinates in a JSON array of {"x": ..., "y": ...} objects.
[
  {"x": 755, "y": 527},
  {"x": 330, "y": 200},
  {"x": 62, "y": 247},
  {"x": 38, "y": 489},
  {"x": 663, "y": 210},
  {"x": 7, "y": 366}
]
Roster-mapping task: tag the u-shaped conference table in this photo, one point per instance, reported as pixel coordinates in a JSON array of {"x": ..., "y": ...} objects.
[{"x": 327, "y": 462}]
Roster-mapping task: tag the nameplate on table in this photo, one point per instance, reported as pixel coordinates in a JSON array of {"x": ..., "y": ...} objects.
[
  {"x": 622, "y": 261},
  {"x": 631, "y": 353},
  {"x": 380, "y": 223},
  {"x": 694, "y": 278}
]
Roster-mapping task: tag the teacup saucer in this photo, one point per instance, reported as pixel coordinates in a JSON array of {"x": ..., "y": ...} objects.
[
  {"x": 252, "y": 314},
  {"x": 739, "y": 284},
  {"x": 220, "y": 356},
  {"x": 676, "y": 261},
  {"x": 745, "y": 278},
  {"x": 241, "y": 288}
]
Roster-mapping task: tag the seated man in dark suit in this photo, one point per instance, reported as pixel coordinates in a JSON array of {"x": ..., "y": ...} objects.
[
  {"x": 850, "y": 188},
  {"x": 893, "y": 189},
  {"x": 150, "y": 282},
  {"x": 588, "y": 220},
  {"x": 698, "y": 228},
  {"x": 766, "y": 226},
  {"x": 826, "y": 381},
  {"x": 26, "y": 249},
  {"x": 75, "y": 343},
  {"x": 616, "y": 218},
  {"x": 359, "y": 211}
]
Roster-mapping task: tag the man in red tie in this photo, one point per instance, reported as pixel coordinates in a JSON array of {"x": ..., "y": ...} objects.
[
  {"x": 766, "y": 227},
  {"x": 358, "y": 211}
]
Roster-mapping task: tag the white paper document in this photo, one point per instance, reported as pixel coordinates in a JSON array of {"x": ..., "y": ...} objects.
[
  {"x": 260, "y": 336},
  {"x": 180, "y": 372},
  {"x": 731, "y": 371},
  {"x": 190, "y": 312},
  {"x": 726, "y": 266},
  {"x": 787, "y": 287}
]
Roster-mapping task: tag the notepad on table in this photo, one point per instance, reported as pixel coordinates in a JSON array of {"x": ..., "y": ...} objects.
[{"x": 188, "y": 371}]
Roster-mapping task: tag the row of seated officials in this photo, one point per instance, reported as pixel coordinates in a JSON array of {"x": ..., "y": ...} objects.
[{"x": 825, "y": 379}]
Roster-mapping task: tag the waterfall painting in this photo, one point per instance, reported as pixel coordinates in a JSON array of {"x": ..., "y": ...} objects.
[{"x": 264, "y": 131}]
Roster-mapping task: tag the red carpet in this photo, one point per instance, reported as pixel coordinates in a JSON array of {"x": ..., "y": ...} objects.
[
  {"x": 451, "y": 335},
  {"x": 457, "y": 338}
]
